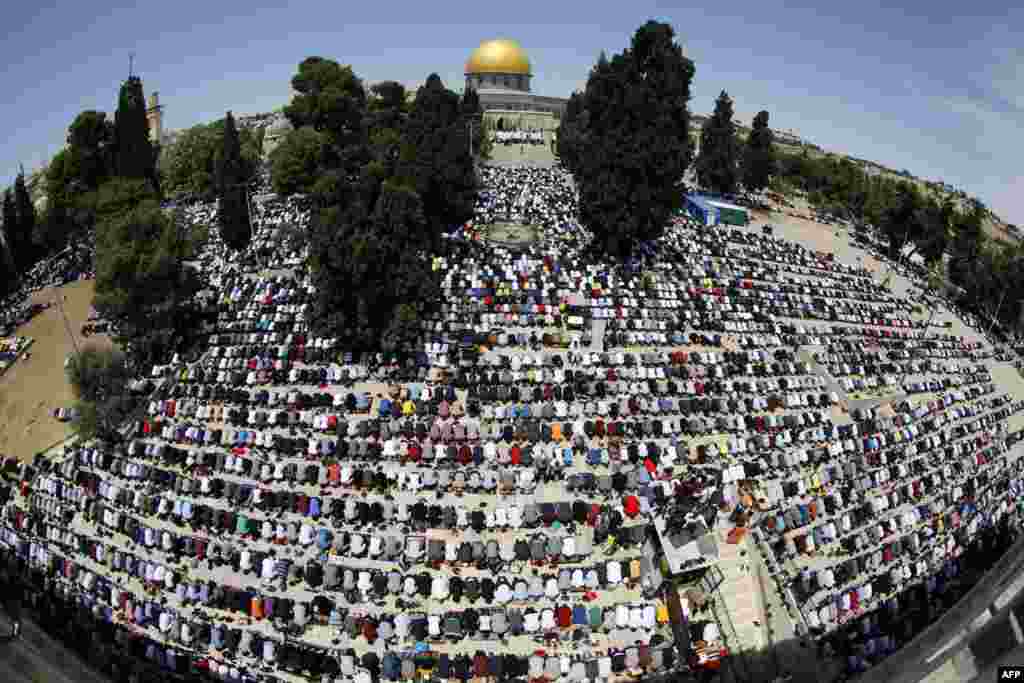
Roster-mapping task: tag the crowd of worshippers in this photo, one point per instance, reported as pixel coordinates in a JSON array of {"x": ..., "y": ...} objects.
[
  {"x": 73, "y": 263},
  {"x": 269, "y": 457},
  {"x": 518, "y": 137},
  {"x": 238, "y": 654},
  {"x": 541, "y": 196}
]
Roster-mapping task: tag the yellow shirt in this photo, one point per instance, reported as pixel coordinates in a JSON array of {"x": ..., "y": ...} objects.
[{"x": 661, "y": 613}]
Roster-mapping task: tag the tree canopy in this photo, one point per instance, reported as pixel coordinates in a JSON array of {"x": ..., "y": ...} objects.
[
  {"x": 24, "y": 227},
  {"x": 570, "y": 130},
  {"x": 232, "y": 178},
  {"x": 139, "y": 254},
  {"x": 99, "y": 378},
  {"x": 383, "y": 185},
  {"x": 758, "y": 162},
  {"x": 135, "y": 155},
  {"x": 368, "y": 246},
  {"x": 331, "y": 99},
  {"x": 633, "y": 122},
  {"x": 189, "y": 163},
  {"x": 435, "y": 160},
  {"x": 718, "y": 161},
  {"x": 89, "y": 159},
  {"x": 296, "y": 162},
  {"x": 10, "y": 216}
]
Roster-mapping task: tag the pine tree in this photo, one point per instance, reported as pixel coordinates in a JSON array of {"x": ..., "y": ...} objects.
[
  {"x": 759, "y": 156},
  {"x": 634, "y": 122},
  {"x": 90, "y": 144},
  {"x": 717, "y": 165},
  {"x": 233, "y": 213},
  {"x": 135, "y": 156}
]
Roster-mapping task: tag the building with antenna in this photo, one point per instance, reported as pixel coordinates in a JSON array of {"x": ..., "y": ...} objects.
[{"x": 155, "y": 118}]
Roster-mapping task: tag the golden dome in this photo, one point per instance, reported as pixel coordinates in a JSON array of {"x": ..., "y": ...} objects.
[{"x": 500, "y": 56}]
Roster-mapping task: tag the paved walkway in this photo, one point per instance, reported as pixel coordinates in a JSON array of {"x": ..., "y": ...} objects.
[
  {"x": 742, "y": 604},
  {"x": 597, "y": 335}
]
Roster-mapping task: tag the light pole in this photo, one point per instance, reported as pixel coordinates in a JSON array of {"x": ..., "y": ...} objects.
[
  {"x": 995, "y": 316},
  {"x": 67, "y": 324}
]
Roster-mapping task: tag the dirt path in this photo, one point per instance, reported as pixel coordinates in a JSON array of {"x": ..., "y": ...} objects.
[{"x": 32, "y": 388}]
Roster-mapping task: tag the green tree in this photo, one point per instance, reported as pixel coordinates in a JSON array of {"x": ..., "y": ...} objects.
[
  {"x": 296, "y": 162},
  {"x": 8, "y": 277},
  {"x": 386, "y": 118},
  {"x": 570, "y": 130},
  {"x": 635, "y": 127},
  {"x": 141, "y": 277},
  {"x": 233, "y": 218},
  {"x": 969, "y": 244},
  {"x": 759, "y": 154},
  {"x": 435, "y": 159},
  {"x": 90, "y": 151},
  {"x": 25, "y": 225},
  {"x": 718, "y": 162},
  {"x": 331, "y": 99},
  {"x": 10, "y": 218},
  {"x": 99, "y": 378},
  {"x": 189, "y": 163},
  {"x": 387, "y": 105},
  {"x": 232, "y": 175},
  {"x": 231, "y": 168},
  {"x": 10, "y": 214},
  {"x": 899, "y": 220},
  {"x": 373, "y": 287},
  {"x": 135, "y": 156}
]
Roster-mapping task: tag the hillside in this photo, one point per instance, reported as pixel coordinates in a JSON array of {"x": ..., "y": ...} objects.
[{"x": 790, "y": 143}]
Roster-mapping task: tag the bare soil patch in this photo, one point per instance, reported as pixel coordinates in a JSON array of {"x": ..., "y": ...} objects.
[{"x": 32, "y": 388}]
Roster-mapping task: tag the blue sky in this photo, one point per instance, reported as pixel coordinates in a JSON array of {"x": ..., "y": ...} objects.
[{"x": 913, "y": 87}]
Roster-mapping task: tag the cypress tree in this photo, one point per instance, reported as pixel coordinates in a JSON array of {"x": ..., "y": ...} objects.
[
  {"x": 233, "y": 218},
  {"x": 435, "y": 159},
  {"x": 570, "y": 131},
  {"x": 25, "y": 225},
  {"x": 10, "y": 213},
  {"x": 135, "y": 156},
  {"x": 230, "y": 166},
  {"x": 634, "y": 122},
  {"x": 759, "y": 156},
  {"x": 233, "y": 213},
  {"x": 717, "y": 164}
]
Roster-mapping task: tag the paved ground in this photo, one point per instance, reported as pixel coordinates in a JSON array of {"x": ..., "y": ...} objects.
[
  {"x": 37, "y": 658},
  {"x": 757, "y": 613},
  {"x": 522, "y": 155},
  {"x": 31, "y": 389}
]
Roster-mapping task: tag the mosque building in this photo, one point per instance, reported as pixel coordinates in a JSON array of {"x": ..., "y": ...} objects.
[{"x": 500, "y": 71}]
